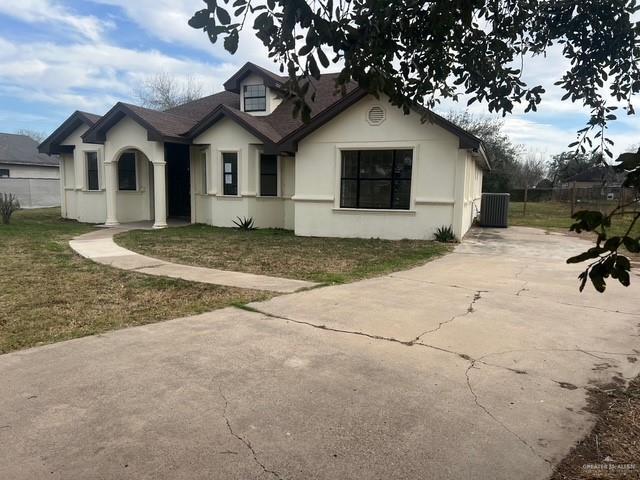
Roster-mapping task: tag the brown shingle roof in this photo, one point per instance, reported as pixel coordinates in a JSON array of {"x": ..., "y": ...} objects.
[{"x": 198, "y": 109}]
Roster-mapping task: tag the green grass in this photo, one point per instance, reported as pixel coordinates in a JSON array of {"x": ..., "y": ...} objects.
[
  {"x": 48, "y": 293},
  {"x": 281, "y": 253},
  {"x": 557, "y": 216}
]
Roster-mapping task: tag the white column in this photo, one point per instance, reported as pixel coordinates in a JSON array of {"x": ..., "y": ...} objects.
[
  {"x": 159, "y": 195},
  {"x": 111, "y": 186}
]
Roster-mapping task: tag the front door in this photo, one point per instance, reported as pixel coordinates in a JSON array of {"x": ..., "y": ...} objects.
[{"x": 178, "y": 180}]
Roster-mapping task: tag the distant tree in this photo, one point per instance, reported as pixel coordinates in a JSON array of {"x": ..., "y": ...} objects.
[
  {"x": 530, "y": 171},
  {"x": 37, "y": 136},
  {"x": 545, "y": 183},
  {"x": 503, "y": 154},
  {"x": 164, "y": 91},
  {"x": 567, "y": 164}
]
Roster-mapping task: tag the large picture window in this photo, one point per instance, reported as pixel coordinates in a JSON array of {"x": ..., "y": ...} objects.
[
  {"x": 93, "y": 182},
  {"x": 127, "y": 171},
  {"x": 376, "y": 179},
  {"x": 255, "y": 98},
  {"x": 268, "y": 175},
  {"x": 230, "y": 173}
]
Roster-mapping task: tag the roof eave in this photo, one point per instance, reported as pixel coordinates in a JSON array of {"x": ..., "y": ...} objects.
[{"x": 51, "y": 145}]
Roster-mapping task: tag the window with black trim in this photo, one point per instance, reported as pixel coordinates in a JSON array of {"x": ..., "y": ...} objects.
[
  {"x": 269, "y": 175},
  {"x": 255, "y": 98},
  {"x": 4, "y": 173},
  {"x": 376, "y": 179},
  {"x": 127, "y": 171},
  {"x": 93, "y": 182},
  {"x": 230, "y": 173}
]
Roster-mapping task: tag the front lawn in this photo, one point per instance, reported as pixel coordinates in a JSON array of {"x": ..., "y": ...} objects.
[
  {"x": 280, "y": 252},
  {"x": 48, "y": 293}
]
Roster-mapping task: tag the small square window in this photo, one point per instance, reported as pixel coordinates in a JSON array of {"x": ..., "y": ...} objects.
[
  {"x": 4, "y": 173},
  {"x": 255, "y": 98}
]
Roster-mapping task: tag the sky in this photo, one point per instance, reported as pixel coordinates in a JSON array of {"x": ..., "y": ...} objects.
[{"x": 58, "y": 56}]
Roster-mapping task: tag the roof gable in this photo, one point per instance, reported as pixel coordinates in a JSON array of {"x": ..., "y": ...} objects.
[
  {"x": 270, "y": 79},
  {"x": 53, "y": 143},
  {"x": 160, "y": 126}
]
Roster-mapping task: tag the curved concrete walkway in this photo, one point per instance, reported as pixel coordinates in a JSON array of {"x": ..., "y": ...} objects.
[{"x": 100, "y": 247}]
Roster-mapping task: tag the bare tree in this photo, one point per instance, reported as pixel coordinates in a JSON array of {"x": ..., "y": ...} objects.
[
  {"x": 530, "y": 172},
  {"x": 37, "y": 136},
  {"x": 164, "y": 91}
]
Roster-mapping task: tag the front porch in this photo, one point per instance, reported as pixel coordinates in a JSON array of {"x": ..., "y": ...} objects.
[{"x": 147, "y": 184}]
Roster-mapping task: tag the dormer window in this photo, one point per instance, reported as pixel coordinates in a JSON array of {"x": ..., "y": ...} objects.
[{"x": 255, "y": 98}]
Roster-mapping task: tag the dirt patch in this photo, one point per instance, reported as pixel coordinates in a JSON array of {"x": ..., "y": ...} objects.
[{"x": 612, "y": 448}]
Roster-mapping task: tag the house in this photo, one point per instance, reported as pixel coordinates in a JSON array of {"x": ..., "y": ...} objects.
[
  {"x": 598, "y": 177},
  {"x": 33, "y": 177},
  {"x": 359, "y": 168}
]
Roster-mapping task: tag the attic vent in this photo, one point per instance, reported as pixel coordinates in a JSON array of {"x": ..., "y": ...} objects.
[{"x": 376, "y": 115}]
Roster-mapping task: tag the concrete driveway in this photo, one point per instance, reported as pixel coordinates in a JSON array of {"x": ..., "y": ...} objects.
[{"x": 474, "y": 366}]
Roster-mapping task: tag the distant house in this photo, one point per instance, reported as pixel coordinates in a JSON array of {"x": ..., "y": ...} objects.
[
  {"x": 32, "y": 176},
  {"x": 598, "y": 176},
  {"x": 359, "y": 168}
]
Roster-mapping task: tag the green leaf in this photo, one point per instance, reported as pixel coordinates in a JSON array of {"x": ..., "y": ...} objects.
[
  {"x": 313, "y": 68},
  {"x": 223, "y": 16},
  {"x": 631, "y": 244},
  {"x": 199, "y": 19},
  {"x": 322, "y": 57},
  {"x": 231, "y": 42},
  {"x": 612, "y": 244}
]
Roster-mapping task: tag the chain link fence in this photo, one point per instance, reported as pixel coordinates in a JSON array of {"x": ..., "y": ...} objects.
[{"x": 602, "y": 198}]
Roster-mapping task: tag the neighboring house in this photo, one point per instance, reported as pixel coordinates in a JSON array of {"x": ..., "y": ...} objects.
[
  {"x": 360, "y": 168},
  {"x": 597, "y": 176},
  {"x": 32, "y": 176}
]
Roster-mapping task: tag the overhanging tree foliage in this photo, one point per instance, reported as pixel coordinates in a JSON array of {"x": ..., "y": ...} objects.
[{"x": 421, "y": 51}]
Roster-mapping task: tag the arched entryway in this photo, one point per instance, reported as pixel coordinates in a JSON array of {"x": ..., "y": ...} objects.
[{"x": 135, "y": 187}]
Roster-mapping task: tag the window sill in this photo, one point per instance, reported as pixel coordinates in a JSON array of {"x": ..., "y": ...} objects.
[
  {"x": 380, "y": 211},
  {"x": 229, "y": 197},
  {"x": 84, "y": 190},
  {"x": 268, "y": 197}
]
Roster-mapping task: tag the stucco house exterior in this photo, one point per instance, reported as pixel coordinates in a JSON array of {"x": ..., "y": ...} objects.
[
  {"x": 31, "y": 176},
  {"x": 359, "y": 168}
]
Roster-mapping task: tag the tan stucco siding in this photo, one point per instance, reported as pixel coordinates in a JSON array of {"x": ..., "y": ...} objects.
[
  {"x": 436, "y": 160},
  {"x": 217, "y": 209}
]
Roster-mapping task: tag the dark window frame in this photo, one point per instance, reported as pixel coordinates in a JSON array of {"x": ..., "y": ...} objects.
[
  {"x": 93, "y": 174},
  {"x": 394, "y": 179},
  {"x": 128, "y": 187},
  {"x": 269, "y": 175},
  {"x": 245, "y": 97},
  {"x": 230, "y": 189},
  {"x": 5, "y": 175}
]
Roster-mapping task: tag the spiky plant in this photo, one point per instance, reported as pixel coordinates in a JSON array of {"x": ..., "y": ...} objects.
[
  {"x": 244, "y": 223},
  {"x": 444, "y": 234}
]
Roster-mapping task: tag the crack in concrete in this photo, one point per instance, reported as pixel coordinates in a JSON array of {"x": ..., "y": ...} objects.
[
  {"x": 476, "y": 297},
  {"x": 472, "y": 362},
  {"x": 497, "y": 420},
  {"x": 245, "y": 442}
]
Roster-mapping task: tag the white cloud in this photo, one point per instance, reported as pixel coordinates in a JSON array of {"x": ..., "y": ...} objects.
[
  {"x": 46, "y": 11},
  {"x": 166, "y": 20},
  {"x": 92, "y": 76}
]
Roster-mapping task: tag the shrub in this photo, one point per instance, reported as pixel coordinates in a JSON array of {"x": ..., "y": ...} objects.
[
  {"x": 445, "y": 234},
  {"x": 8, "y": 204},
  {"x": 244, "y": 223}
]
